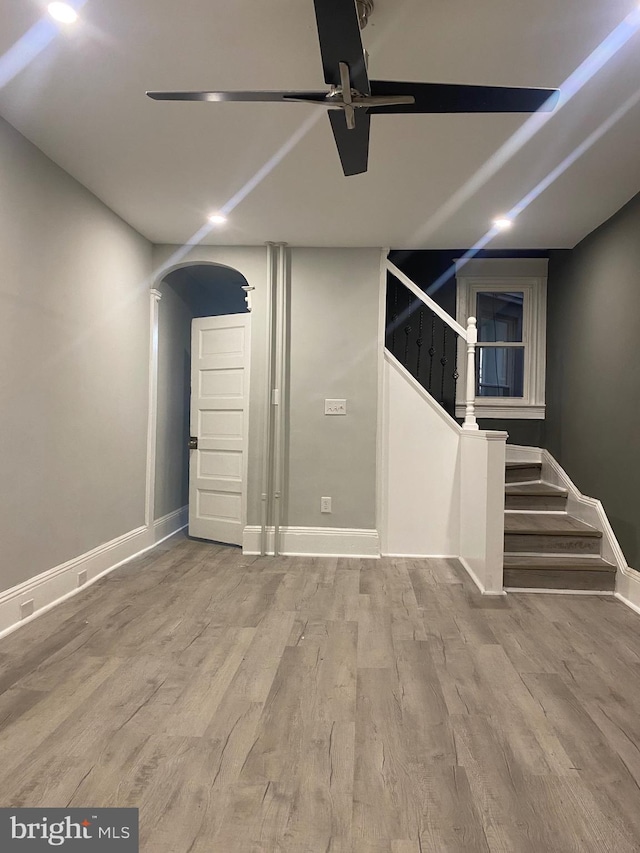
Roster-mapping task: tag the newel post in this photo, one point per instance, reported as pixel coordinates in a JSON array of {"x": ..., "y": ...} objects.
[{"x": 472, "y": 340}]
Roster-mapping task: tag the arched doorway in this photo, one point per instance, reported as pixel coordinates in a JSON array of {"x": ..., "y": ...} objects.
[{"x": 203, "y": 398}]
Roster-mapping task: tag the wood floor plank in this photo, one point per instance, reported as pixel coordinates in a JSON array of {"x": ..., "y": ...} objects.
[
  {"x": 616, "y": 790},
  {"x": 498, "y": 786},
  {"x": 524, "y": 724},
  {"x": 375, "y": 638},
  {"x": 309, "y": 705}
]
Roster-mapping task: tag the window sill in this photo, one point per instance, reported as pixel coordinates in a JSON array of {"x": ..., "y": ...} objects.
[{"x": 496, "y": 411}]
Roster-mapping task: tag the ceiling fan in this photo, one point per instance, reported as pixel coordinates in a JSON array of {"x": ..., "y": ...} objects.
[{"x": 353, "y": 98}]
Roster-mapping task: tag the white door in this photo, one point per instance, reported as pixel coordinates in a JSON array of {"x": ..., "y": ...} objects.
[{"x": 220, "y": 350}]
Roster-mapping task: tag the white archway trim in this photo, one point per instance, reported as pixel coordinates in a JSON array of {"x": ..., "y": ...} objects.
[{"x": 149, "y": 509}]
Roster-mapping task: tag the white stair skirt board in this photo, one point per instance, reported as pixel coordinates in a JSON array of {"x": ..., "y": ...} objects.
[
  {"x": 523, "y": 453},
  {"x": 316, "y": 542},
  {"x": 61, "y": 582},
  {"x": 590, "y": 511}
]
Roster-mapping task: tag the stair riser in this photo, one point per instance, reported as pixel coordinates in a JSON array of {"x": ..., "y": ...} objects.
[
  {"x": 536, "y": 502},
  {"x": 559, "y": 579},
  {"x": 522, "y": 475},
  {"x": 540, "y": 543}
]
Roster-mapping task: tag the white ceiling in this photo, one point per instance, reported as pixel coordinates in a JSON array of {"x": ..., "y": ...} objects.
[{"x": 163, "y": 166}]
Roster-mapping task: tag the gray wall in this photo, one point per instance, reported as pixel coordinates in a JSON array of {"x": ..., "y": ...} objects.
[
  {"x": 527, "y": 432},
  {"x": 593, "y": 383},
  {"x": 174, "y": 378},
  {"x": 333, "y": 338},
  {"x": 74, "y": 311},
  {"x": 334, "y": 354}
]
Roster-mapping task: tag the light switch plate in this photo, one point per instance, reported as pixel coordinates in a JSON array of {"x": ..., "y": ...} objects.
[{"x": 335, "y": 407}]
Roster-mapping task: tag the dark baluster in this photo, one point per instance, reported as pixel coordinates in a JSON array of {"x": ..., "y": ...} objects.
[
  {"x": 394, "y": 316},
  {"x": 407, "y": 332},
  {"x": 443, "y": 360},
  {"x": 432, "y": 349},
  {"x": 455, "y": 373},
  {"x": 419, "y": 341}
]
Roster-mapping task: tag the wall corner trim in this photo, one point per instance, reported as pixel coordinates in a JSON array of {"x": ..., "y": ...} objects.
[
  {"x": 56, "y": 585},
  {"x": 476, "y": 580},
  {"x": 315, "y": 542}
]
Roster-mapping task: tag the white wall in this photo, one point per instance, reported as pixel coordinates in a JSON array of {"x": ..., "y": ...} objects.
[
  {"x": 421, "y": 492},
  {"x": 74, "y": 342},
  {"x": 482, "y": 468},
  {"x": 442, "y": 486}
]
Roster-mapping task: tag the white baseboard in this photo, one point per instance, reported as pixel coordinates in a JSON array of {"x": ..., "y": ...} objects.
[
  {"x": 170, "y": 524},
  {"x": 628, "y": 588},
  {"x": 315, "y": 542},
  {"x": 422, "y": 556},
  {"x": 516, "y": 589},
  {"x": 46, "y": 590}
]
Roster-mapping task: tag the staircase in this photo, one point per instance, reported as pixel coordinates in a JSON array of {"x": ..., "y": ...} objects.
[{"x": 544, "y": 547}]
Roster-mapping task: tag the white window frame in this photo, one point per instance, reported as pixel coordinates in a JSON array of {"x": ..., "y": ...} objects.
[{"x": 495, "y": 275}]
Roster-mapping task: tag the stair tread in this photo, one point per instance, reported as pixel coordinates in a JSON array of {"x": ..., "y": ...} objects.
[
  {"x": 559, "y": 562},
  {"x": 539, "y": 488},
  {"x": 547, "y": 524}
]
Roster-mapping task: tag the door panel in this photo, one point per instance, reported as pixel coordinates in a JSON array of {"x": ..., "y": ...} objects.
[{"x": 220, "y": 348}]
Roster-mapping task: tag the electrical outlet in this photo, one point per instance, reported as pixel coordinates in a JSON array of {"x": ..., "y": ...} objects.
[
  {"x": 335, "y": 407},
  {"x": 325, "y": 504},
  {"x": 82, "y": 577}
]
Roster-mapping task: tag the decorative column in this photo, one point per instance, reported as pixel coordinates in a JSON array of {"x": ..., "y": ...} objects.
[
  {"x": 149, "y": 510},
  {"x": 472, "y": 340}
]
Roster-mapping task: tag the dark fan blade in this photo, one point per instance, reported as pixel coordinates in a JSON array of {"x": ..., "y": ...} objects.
[
  {"x": 238, "y": 96},
  {"x": 455, "y": 98},
  {"x": 339, "y": 34},
  {"x": 353, "y": 145}
]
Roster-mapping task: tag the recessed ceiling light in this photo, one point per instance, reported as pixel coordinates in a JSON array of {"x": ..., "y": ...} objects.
[
  {"x": 63, "y": 12},
  {"x": 217, "y": 219},
  {"x": 502, "y": 223}
]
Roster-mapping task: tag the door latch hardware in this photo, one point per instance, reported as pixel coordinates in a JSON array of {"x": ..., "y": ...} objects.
[{"x": 193, "y": 442}]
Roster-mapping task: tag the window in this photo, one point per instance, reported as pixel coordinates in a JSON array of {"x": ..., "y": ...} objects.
[{"x": 508, "y": 299}]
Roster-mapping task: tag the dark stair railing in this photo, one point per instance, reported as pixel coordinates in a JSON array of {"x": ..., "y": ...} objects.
[{"x": 424, "y": 339}]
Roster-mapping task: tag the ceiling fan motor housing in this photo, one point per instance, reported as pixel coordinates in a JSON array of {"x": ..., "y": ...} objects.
[{"x": 365, "y": 8}]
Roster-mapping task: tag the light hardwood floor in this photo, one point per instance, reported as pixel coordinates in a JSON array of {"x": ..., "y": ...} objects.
[{"x": 298, "y": 705}]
